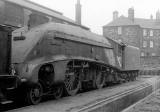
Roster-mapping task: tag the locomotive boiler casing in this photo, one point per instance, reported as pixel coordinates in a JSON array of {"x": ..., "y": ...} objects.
[{"x": 56, "y": 44}]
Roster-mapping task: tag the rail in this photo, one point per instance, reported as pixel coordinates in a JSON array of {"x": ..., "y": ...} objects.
[{"x": 110, "y": 99}]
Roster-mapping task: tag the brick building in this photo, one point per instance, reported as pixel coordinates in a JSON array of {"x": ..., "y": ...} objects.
[
  {"x": 19, "y": 13},
  {"x": 139, "y": 32}
]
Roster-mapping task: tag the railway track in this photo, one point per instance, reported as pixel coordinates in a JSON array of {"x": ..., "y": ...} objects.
[
  {"x": 109, "y": 99},
  {"x": 92, "y": 100}
]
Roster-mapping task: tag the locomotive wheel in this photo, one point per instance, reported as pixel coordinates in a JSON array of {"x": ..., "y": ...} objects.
[
  {"x": 128, "y": 76},
  {"x": 34, "y": 94},
  {"x": 124, "y": 76},
  {"x": 100, "y": 80},
  {"x": 72, "y": 83},
  {"x": 133, "y": 76},
  {"x": 137, "y": 73},
  {"x": 58, "y": 92}
]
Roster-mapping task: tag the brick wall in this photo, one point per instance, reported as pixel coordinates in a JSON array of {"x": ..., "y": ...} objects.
[
  {"x": 130, "y": 34},
  {"x": 133, "y": 35},
  {"x": 149, "y": 59},
  {"x": 15, "y": 15}
]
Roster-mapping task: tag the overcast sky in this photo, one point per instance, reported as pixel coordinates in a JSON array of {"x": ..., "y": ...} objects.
[{"x": 97, "y": 13}]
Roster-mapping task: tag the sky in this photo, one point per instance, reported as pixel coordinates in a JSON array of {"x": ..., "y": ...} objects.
[{"x": 97, "y": 13}]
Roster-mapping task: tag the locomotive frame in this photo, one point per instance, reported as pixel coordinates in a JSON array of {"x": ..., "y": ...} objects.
[{"x": 57, "y": 57}]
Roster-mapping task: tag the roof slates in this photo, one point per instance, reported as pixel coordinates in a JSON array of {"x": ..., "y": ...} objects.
[{"x": 144, "y": 23}]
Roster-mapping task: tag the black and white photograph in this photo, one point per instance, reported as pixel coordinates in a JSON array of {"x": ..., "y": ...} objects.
[{"x": 79, "y": 56}]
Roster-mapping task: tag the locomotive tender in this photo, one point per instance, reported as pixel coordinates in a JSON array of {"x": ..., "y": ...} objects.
[{"x": 52, "y": 58}]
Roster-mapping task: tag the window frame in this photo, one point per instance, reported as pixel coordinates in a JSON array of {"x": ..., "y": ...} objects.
[
  {"x": 153, "y": 54},
  {"x": 119, "y": 30},
  {"x": 144, "y": 32},
  {"x": 144, "y": 43},
  {"x": 151, "y": 44},
  {"x": 142, "y": 54},
  {"x": 151, "y": 33}
]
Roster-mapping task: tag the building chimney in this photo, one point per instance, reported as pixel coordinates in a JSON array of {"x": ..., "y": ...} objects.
[
  {"x": 78, "y": 12},
  {"x": 151, "y": 17},
  {"x": 115, "y": 15},
  {"x": 131, "y": 14},
  {"x": 158, "y": 17}
]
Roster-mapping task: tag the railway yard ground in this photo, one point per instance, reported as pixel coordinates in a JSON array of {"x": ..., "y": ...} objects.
[
  {"x": 113, "y": 98},
  {"x": 149, "y": 104}
]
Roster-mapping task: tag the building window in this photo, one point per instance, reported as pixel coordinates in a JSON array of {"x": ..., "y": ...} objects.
[
  {"x": 144, "y": 32},
  {"x": 119, "y": 30},
  {"x": 142, "y": 53},
  {"x": 144, "y": 43},
  {"x": 153, "y": 54},
  {"x": 151, "y": 33},
  {"x": 151, "y": 44}
]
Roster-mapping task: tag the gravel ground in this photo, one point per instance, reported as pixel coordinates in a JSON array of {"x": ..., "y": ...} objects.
[{"x": 68, "y": 104}]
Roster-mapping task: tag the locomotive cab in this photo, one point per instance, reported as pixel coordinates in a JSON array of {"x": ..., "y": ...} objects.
[{"x": 8, "y": 81}]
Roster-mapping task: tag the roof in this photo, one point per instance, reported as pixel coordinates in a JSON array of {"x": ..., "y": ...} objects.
[
  {"x": 121, "y": 21},
  {"x": 44, "y": 7},
  {"x": 33, "y": 6},
  {"x": 125, "y": 21}
]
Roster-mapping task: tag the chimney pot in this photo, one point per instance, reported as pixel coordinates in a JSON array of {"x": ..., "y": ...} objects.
[
  {"x": 131, "y": 14},
  {"x": 157, "y": 15},
  {"x": 115, "y": 15},
  {"x": 158, "y": 18},
  {"x": 78, "y": 12}
]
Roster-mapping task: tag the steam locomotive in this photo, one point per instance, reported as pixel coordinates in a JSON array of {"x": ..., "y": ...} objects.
[{"x": 54, "y": 58}]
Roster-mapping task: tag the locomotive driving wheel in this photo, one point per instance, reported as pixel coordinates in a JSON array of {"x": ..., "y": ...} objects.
[
  {"x": 100, "y": 80},
  {"x": 34, "y": 94},
  {"x": 72, "y": 83},
  {"x": 58, "y": 92}
]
